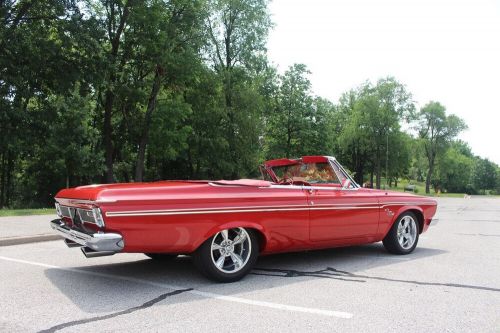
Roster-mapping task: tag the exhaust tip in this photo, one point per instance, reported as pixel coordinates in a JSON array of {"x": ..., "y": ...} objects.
[
  {"x": 89, "y": 253},
  {"x": 70, "y": 243}
]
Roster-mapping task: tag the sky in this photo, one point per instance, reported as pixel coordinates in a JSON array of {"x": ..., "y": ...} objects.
[{"x": 442, "y": 50}]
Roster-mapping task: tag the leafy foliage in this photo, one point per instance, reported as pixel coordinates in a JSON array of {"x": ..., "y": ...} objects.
[{"x": 436, "y": 130}]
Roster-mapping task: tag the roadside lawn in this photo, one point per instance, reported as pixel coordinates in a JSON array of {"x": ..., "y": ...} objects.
[
  {"x": 24, "y": 212},
  {"x": 420, "y": 189}
]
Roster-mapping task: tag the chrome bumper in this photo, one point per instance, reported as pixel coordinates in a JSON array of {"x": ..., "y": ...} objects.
[
  {"x": 434, "y": 222},
  {"x": 100, "y": 242}
]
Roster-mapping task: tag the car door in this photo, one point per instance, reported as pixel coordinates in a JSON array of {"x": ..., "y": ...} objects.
[{"x": 337, "y": 213}]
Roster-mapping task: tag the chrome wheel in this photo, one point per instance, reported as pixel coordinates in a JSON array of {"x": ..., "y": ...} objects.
[
  {"x": 231, "y": 249},
  {"x": 407, "y": 232}
]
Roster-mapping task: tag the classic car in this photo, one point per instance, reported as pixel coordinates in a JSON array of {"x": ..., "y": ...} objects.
[{"x": 299, "y": 204}]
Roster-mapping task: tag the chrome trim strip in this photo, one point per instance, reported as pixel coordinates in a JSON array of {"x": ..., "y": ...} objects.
[
  {"x": 344, "y": 208},
  {"x": 208, "y": 209},
  {"x": 79, "y": 201},
  {"x": 219, "y": 185},
  {"x": 238, "y": 210},
  {"x": 87, "y": 202},
  {"x": 333, "y": 160},
  {"x": 105, "y": 200},
  {"x": 408, "y": 204},
  {"x": 357, "y": 204},
  {"x": 252, "y": 209},
  {"x": 304, "y": 187},
  {"x": 195, "y": 212}
]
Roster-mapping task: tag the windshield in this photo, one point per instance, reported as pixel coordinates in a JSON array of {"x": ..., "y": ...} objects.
[{"x": 313, "y": 173}]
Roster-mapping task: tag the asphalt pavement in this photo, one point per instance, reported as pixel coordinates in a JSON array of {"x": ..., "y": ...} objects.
[{"x": 450, "y": 283}]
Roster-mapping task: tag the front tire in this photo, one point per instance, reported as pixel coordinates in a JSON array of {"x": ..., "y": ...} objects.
[
  {"x": 229, "y": 255},
  {"x": 403, "y": 236}
]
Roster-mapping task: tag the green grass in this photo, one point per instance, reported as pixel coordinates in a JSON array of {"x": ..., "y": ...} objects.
[
  {"x": 24, "y": 212},
  {"x": 421, "y": 190},
  {"x": 420, "y": 186}
]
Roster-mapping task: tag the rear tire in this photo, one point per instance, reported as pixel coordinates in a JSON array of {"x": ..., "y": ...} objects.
[
  {"x": 403, "y": 236},
  {"x": 227, "y": 256}
]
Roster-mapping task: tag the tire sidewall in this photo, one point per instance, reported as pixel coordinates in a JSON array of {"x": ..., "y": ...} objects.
[
  {"x": 393, "y": 236},
  {"x": 203, "y": 260}
]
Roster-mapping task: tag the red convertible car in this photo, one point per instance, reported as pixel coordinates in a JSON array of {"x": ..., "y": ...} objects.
[{"x": 300, "y": 204}]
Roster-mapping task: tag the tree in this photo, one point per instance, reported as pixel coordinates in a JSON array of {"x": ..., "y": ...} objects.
[
  {"x": 237, "y": 33},
  {"x": 455, "y": 168},
  {"x": 436, "y": 130},
  {"x": 171, "y": 42},
  {"x": 291, "y": 118},
  {"x": 399, "y": 156},
  {"x": 497, "y": 190},
  {"x": 114, "y": 15},
  {"x": 377, "y": 111},
  {"x": 321, "y": 138},
  {"x": 352, "y": 140},
  {"x": 45, "y": 47},
  {"x": 484, "y": 175}
]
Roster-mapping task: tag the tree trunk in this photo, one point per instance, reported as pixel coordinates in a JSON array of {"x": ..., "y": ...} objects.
[
  {"x": 377, "y": 168},
  {"x": 431, "y": 155},
  {"x": 190, "y": 163},
  {"x": 108, "y": 129},
  {"x": 428, "y": 179},
  {"x": 110, "y": 96},
  {"x": 359, "y": 173},
  {"x": 2, "y": 181},
  {"x": 139, "y": 168},
  {"x": 10, "y": 166},
  {"x": 288, "y": 143},
  {"x": 359, "y": 167}
]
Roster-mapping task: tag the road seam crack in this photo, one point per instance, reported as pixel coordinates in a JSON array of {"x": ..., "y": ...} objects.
[{"x": 145, "y": 305}]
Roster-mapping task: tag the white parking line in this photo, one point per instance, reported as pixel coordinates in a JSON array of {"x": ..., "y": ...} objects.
[
  {"x": 389, "y": 257},
  {"x": 278, "y": 306}
]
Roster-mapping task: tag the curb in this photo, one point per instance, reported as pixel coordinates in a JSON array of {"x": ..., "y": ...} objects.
[{"x": 28, "y": 239}]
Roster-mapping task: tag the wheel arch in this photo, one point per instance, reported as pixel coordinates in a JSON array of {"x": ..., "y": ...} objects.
[
  {"x": 257, "y": 228},
  {"x": 420, "y": 218},
  {"x": 417, "y": 211}
]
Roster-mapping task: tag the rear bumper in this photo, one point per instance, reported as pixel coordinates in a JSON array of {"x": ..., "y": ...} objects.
[{"x": 109, "y": 242}]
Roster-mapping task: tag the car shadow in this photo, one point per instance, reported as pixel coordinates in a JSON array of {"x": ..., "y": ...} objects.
[{"x": 119, "y": 286}]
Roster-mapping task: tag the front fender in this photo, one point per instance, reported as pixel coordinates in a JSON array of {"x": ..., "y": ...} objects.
[{"x": 401, "y": 210}]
